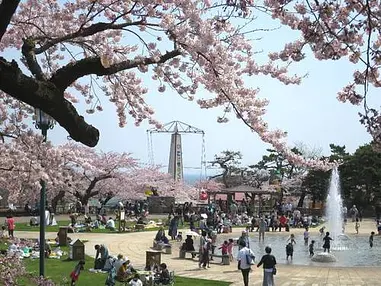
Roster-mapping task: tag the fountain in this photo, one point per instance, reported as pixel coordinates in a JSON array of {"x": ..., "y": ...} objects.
[
  {"x": 334, "y": 213},
  {"x": 334, "y": 216}
]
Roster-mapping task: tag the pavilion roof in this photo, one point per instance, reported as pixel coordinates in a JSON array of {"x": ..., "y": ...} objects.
[{"x": 245, "y": 189}]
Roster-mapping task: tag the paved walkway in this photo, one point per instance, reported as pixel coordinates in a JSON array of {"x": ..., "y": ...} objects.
[{"x": 135, "y": 244}]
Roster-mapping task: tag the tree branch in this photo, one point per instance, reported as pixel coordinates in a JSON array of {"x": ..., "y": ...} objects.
[
  {"x": 85, "y": 32},
  {"x": 88, "y": 193},
  {"x": 66, "y": 75},
  {"x": 28, "y": 51},
  {"x": 7, "y": 9},
  {"x": 45, "y": 96}
]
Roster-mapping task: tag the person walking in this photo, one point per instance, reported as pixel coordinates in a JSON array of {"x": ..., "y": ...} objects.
[
  {"x": 11, "y": 226},
  {"x": 262, "y": 228},
  {"x": 245, "y": 259},
  {"x": 268, "y": 260},
  {"x": 243, "y": 240}
]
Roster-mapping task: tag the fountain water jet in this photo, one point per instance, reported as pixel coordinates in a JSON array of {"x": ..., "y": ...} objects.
[
  {"x": 334, "y": 216},
  {"x": 334, "y": 207}
]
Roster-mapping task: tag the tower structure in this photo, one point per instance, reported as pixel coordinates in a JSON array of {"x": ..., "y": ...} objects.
[
  {"x": 176, "y": 128},
  {"x": 175, "y": 164}
]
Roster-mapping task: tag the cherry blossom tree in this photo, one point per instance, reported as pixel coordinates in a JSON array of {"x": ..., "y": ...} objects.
[
  {"x": 335, "y": 30},
  {"x": 77, "y": 173},
  {"x": 209, "y": 185},
  {"x": 87, "y": 167},
  {"x": 24, "y": 161},
  {"x": 64, "y": 51}
]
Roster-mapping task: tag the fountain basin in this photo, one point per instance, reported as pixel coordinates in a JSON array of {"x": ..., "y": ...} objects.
[{"x": 324, "y": 257}]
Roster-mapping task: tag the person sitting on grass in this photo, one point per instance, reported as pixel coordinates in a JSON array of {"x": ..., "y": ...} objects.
[
  {"x": 125, "y": 272},
  {"x": 74, "y": 275},
  {"x": 33, "y": 221},
  {"x": 110, "y": 224},
  {"x": 119, "y": 261},
  {"x": 136, "y": 281},
  {"x": 162, "y": 276},
  {"x": 141, "y": 221}
]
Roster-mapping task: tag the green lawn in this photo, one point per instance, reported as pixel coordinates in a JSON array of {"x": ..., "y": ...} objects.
[
  {"x": 58, "y": 270},
  {"x": 26, "y": 227}
]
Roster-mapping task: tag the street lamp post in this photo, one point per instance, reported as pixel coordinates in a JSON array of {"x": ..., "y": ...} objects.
[{"x": 43, "y": 122}]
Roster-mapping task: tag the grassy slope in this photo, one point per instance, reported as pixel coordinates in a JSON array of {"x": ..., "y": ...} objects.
[
  {"x": 27, "y": 227},
  {"x": 59, "y": 269}
]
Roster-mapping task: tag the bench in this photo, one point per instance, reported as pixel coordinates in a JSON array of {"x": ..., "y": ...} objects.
[
  {"x": 225, "y": 258},
  {"x": 182, "y": 253},
  {"x": 167, "y": 249}
]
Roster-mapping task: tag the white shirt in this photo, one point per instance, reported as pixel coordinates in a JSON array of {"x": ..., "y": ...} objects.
[
  {"x": 242, "y": 257},
  {"x": 135, "y": 283},
  {"x": 111, "y": 223}
]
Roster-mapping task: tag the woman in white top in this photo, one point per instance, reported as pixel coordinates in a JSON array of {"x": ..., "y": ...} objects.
[{"x": 245, "y": 259}]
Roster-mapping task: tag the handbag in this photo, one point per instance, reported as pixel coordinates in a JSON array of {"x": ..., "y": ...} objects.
[
  {"x": 250, "y": 258},
  {"x": 274, "y": 270}
]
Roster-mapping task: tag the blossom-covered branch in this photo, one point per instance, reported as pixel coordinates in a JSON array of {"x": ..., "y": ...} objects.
[{"x": 66, "y": 75}]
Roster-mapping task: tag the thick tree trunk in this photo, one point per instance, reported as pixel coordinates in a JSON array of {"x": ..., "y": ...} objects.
[
  {"x": 88, "y": 194},
  {"x": 313, "y": 202},
  {"x": 301, "y": 199},
  {"x": 56, "y": 199}
]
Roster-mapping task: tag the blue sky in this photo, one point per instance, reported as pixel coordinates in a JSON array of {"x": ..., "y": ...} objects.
[{"x": 310, "y": 113}]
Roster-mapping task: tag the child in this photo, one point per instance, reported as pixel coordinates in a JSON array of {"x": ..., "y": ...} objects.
[
  {"x": 289, "y": 250},
  {"x": 179, "y": 236},
  {"x": 136, "y": 281},
  {"x": 74, "y": 275},
  {"x": 2, "y": 232},
  {"x": 322, "y": 231},
  {"x": 291, "y": 239},
  {"x": 306, "y": 236},
  {"x": 371, "y": 239},
  {"x": 311, "y": 248},
  {"x": 230, "y": 249},
  {"x": 224, "y": 248},
  {"x": 327, "y": 242},
  {"x": 357, "y": 226}
]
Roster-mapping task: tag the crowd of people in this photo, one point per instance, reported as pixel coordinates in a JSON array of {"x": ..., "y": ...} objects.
[{"x": 121, "y": 269}]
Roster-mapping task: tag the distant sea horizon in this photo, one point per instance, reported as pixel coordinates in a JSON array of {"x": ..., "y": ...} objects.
[{"x": 192, "y": 179}]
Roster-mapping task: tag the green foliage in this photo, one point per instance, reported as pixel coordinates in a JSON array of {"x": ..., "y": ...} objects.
[
  {"x": 277, "y": 164},
  {"x": 361, "y": 176},
  {"x": 229, "y": 162},
  {"x": 315, "y": 184}
]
